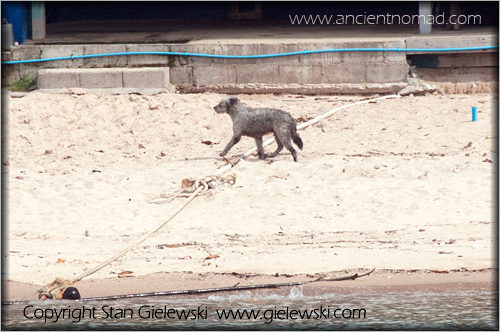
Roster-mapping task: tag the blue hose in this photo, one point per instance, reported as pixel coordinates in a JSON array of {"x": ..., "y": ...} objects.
[{"x": 259, "y": 56}]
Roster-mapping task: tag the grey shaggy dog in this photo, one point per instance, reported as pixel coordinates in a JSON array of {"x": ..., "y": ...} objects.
[{"x": 256, "y": 122}]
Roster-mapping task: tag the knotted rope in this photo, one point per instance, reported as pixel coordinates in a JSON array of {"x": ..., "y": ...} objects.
[{"x": 55, "y": 289}]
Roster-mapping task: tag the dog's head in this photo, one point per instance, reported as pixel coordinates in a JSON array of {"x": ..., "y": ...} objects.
[{"x": 227, "y": 105}]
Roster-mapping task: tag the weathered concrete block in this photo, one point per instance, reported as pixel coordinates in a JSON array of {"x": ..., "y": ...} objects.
[
  {"x": 214, "y": 74},
  {"x": 265, "y": 74},
  {"x": 353, "y": 73},
  {"x": 300, "y": 74},
  {"x": 274, "y": 49},
  {"x": 150, "y": 60},
  {"x": 28, "y": 70},
  {"x": 456, "y": 75},
  {"x": 333, "y": 74},
  {"x": 434, "y": 41},
  {"x": 108, "y": 61},
  {"x": 58, "y": 51},
  {"x": 7, "y": 56},
  {"x": 25, "y": 53},
  {"x": 344, "y": 73},
  {"x": 181, "y": 60},
  {"x": 101, "y": 78},
  {"x": 10, "y": 73},
  {"x": 361, "y": 56},
  {"x": 238, "y": 49},
  {"x": 394, "y": 56},
  {"x": 320, "y": 59},
  {"x": 386, "y": 72},
  {"x": 466, "y": 60},
  {"x": 146, "y": 78},
  {"x": 57, "y": 79},
  {"x": 226, "y": 50},
  {"x": 313, "y": 59},
  {"x": 181, "y": 75}
]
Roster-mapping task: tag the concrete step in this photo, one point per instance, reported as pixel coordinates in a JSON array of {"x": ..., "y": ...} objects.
[{"x": 104, "y": 78}]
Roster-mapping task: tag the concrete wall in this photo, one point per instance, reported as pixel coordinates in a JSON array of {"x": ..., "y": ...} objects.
[
  {"x": 377, "y": 67},
  {"x": 359, "y": 67},
  {"x": 366, "y": 67}
]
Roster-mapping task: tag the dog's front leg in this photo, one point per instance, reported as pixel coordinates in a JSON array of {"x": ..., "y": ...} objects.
[{"x": 235, "y": 139}]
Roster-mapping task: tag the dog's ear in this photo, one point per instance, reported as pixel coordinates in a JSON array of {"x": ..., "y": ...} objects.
[{"x": 233, "y": 101}]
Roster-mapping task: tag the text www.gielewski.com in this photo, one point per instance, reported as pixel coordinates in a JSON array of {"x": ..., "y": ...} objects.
[{"x": 269, "y": 315}]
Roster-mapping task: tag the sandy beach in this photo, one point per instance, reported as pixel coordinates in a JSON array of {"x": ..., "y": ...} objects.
[{"x": 404, "y": 184}]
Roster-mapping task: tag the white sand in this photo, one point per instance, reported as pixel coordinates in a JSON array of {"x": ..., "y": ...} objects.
[{"x": 390, "y": 185}]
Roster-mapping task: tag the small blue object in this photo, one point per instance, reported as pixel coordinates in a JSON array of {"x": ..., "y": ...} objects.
[{"x": 474, "y": 114}]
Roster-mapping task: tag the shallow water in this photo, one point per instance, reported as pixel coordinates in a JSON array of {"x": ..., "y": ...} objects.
[{"x": 460, "y": 310}]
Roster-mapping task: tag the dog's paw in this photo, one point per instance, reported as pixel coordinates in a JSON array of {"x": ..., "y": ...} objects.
[{"x": 222, "y": 154}]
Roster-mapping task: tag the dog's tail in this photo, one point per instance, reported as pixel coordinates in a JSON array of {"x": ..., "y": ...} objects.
[
  {"x": 295, "y": 137},
  {"x": 297, "y": 140}
]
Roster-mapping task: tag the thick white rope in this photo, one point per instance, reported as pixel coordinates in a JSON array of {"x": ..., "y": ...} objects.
[{"x": 142, "y": 239}]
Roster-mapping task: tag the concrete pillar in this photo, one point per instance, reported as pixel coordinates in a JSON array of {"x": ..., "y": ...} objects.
[
  {"x": 425, "y": 8},
  {"x": 38, "y": 20}
]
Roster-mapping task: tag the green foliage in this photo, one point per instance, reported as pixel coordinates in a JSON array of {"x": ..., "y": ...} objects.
[{"x": 22, "y": 85}]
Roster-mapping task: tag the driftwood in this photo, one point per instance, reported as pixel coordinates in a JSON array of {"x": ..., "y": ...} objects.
[
  {"x": 223, "y": 289},
  {"x": 209, "y": 290}
]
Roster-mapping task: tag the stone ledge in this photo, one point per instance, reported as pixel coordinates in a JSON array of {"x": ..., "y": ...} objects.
[
  {"x": 303, "y": 89},
  {"x": 104, "y": 78}
]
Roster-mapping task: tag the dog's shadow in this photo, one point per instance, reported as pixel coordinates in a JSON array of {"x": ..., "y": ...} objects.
[{"x": 253, "y": 158}]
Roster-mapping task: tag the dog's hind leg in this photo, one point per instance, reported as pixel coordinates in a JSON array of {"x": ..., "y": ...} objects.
[
  {"x": 278, "y": 149},
  {"x": 260, "y": 148}
]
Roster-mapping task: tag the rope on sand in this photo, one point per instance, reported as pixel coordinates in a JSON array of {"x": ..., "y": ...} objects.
[
  {"x": 188, "y": 185},
  {"x": 55, "y": 289}
]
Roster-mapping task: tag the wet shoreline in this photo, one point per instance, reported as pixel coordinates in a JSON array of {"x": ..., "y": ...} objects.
[{"x": 381, "y": 281}]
